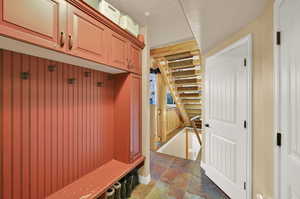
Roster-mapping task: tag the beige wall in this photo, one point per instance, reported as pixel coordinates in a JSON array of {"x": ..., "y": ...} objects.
[
  {"x": 262, "y": 33},
  {"x": 173, "y": 120}
]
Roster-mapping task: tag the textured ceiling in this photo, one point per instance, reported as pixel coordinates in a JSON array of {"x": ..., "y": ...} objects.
[
  {"x": 212, "y": 21},
  {"x": 166, "y": 22}
]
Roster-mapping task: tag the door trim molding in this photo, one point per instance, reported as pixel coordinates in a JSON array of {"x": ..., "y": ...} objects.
[
  {"x": 276, "y": 150},
  {"x": 245, "y": 40}
]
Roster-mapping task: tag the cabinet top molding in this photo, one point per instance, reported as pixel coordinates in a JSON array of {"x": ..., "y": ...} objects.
[{"x": 104, "y": 20}]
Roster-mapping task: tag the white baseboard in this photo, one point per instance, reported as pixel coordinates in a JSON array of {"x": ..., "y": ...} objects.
[
  {"x": 145, "y": 179},
  {"x": 259, "y": 196},
  {"x": 203, "y": 166}
]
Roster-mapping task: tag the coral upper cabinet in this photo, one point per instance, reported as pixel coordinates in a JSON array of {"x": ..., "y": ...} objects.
[
  {"x": 86, "y": 36},
  {"x": 118, "y": 51},
  {"x": 125, "y": 54},
  {"x": 38, "y": 22},
  {"x": 134, "y": 58},
  {"x": 127, "y": 117},
  {"x": 71, "y": 28}
]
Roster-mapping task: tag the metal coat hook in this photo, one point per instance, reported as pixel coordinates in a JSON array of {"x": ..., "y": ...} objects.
[
  {"x": 110, "y": 77},
  {"x": 25, "y": 75},
  {"x": 71, "y": 81},
  {"x": 100, "y": 84},
  {"x": 87, "y": 74},
  {"x": 51, "y": 68}
]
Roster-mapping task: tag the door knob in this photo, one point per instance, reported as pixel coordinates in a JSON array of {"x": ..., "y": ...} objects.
[{"x": 207, "y": 125}]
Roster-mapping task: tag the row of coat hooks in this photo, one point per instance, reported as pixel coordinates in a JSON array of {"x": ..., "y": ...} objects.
[{"x": 52, "y": 68}]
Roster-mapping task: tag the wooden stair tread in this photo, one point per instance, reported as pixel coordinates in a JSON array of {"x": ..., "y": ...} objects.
[
  {"x": 185, "y": 95},
  {"x": 193, "y": 106},
  {"x": 188, "y": 88},
  {"x": 185, "y": 64},
  {"x": 95, "y": 183},
  {"x": 194, "y": 111},
  {"x": 178, "y": 56},
  {"x": 188, "y": 101},
  {"x": 194, "y": 114},
  {"x": 188, "y": 81},
  {"x": 186, "y": 73},
  {"x": 183, "y": 67}
]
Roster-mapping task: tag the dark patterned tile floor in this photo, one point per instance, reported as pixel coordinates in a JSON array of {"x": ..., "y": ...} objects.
[{"x": 175, "y": 178}]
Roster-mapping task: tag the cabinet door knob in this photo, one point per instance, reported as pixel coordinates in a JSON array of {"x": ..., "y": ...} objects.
[
  {"x": 207, "y": 125},
  {"x": 62, "y": 39},
  {"x": 70, "y": 42}
]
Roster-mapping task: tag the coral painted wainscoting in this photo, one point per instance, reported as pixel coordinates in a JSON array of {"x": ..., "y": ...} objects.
[{"x": 56, "y": 124}]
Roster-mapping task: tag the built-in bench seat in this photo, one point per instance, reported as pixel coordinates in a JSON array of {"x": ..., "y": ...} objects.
[{"x": 96, "y": 183}]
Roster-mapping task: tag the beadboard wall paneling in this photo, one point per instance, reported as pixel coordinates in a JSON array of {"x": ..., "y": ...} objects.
[{"x": 52, "y": 132}]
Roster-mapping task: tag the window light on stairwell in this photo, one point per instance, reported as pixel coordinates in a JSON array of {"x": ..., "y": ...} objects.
[{"x": 196, "y": 57}]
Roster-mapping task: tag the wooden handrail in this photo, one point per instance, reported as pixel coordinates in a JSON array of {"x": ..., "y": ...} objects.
[
  {"x": 196, "y": 132},
  {"x": 195, "y": 117}
]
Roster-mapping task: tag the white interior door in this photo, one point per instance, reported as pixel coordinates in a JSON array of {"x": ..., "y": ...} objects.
[
  {"x": 289, "y": 102},
  {"x": 226, "y": 110}
]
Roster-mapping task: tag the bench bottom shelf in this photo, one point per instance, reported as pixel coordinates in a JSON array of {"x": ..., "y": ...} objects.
[{"x": 95, "y": 183}]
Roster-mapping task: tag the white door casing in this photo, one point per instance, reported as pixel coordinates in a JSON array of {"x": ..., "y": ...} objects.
[
  {"x": 227, "y": 108},
  {"x": 288, "y": 99}
]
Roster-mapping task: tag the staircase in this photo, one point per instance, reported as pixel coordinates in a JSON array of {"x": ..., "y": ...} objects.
[
  {"x": 183, "y": 74},
  {"x": 186, "y": 75}
]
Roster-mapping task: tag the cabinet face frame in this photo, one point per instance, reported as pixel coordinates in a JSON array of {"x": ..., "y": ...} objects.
[
  {"x": 128, "y": 136},
  {"x": 28, "y": 30},
  {"x": 135, "y": 57},
  {"x": 136, "y": 108}
]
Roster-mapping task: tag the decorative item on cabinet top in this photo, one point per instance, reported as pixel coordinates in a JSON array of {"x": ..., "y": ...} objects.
[
  {"x": 106, "y": 21},
  {"x": 129, "y": 25},
  {"x": 109, "y": 11},
  {"x": 112, "y": 13}
]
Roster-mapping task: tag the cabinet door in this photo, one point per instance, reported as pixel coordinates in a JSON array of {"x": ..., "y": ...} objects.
[
  {"x": 39, "y": 22},
  {"x": 135, "y": 137},
  {"x": 87, "y": 38},
  {"x": 135, "y": 59},
  {"x": 118, "y": 51}
]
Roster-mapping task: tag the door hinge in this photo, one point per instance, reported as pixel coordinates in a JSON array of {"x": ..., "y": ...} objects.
[
  {"x": 245, "y": 124},
  {"x": 245, "y": 186},
  {"x": 245, "y": 62},
  {"x": 279, "y": 139},
  {"x": 278, "y": 38}
]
